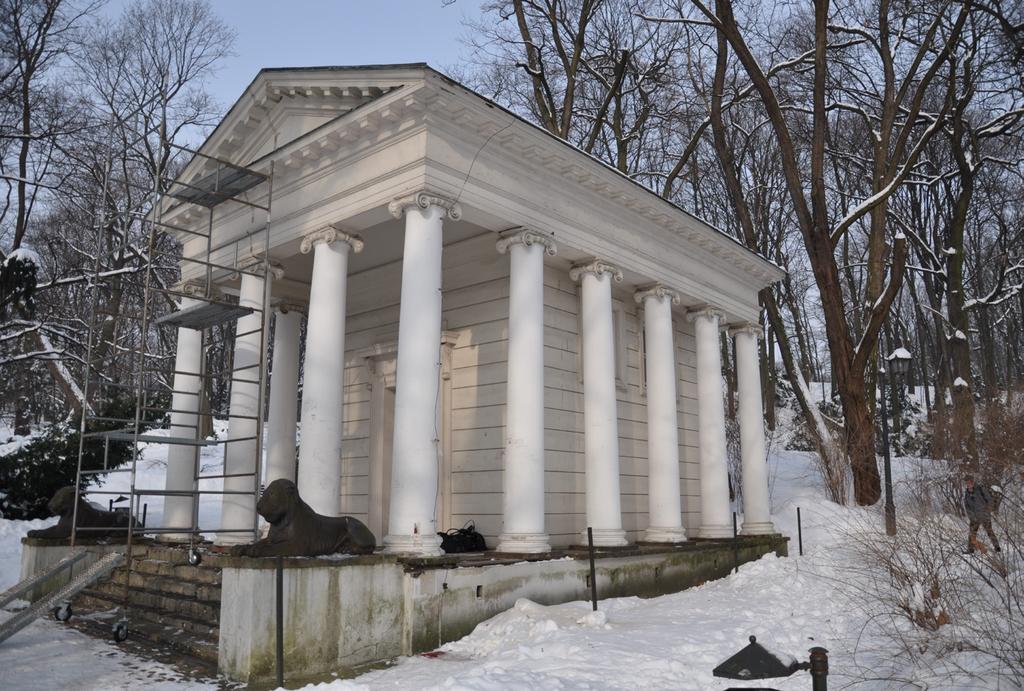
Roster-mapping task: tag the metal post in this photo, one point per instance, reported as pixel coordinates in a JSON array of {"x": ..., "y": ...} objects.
[
  {"x": 735, "y": 546},
  {"x": 593, "y": 571},
  {"x": 799, "y": 532},
  {"x": 279, "y": 623},
  {"x": 890, "y": 507},
  {"x": 819, "y": 669}
]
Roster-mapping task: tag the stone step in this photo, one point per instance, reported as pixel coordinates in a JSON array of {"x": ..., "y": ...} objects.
[
  {"x": 163, "y": 584},
  {"x": 169, "y": 603},
  {"x": 92, "y": 601},
  {"x": 175, "y": 554},
  {"x": 207, "y": 575},
  {"x": 96, "y": 616}
]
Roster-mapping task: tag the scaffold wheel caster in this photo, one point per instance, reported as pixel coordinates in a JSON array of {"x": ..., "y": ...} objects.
[
  {"x": 62, "y": 612},
  {"x": 120, "y": 631},
  {"x": 194, "y": 557}
]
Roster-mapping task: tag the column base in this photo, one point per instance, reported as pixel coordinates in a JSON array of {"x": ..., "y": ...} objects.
[
  {"x": 231, "y": 539},
  {"x": 714, "y": 531},
  {"x": 655, "y": 534},
  {"x": 418, "y": 545},
  {"x": 764, "y": 528},
  {"x": 524, "y": 543},
  {"x": 607, "y": 537},
  {"x": 176, "y": 538}
]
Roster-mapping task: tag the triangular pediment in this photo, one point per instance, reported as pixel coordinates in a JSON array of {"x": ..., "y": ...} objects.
[{"x": 282, "y": 105}]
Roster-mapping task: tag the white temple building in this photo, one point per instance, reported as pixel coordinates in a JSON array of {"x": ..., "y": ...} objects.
[{"x": 498, "y": 326}]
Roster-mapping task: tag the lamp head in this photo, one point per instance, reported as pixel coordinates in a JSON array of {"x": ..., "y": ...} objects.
[{"x": 899, "y": 361}]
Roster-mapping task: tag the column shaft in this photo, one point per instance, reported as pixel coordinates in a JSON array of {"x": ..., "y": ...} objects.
[
  {"x": 600, "y": 412},
  {"x": 181, "y": 460},
  {"x": 284, "y": 385},
  {"x": 319, "y": 474},
  {"x": 523, "y": 499},
  {"x": 756, "y": 507},
  {"x": 716, "y": 521},
  {"x": 664, "y": 504},
  {"x": 414, "y": 473},
  {"x": 239, "y": 510}
]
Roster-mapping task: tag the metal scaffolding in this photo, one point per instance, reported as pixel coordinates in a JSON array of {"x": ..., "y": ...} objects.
[{"x": 224, "y": 185}]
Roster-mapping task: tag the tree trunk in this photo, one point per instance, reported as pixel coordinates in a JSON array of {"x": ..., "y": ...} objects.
[{"x": 860, "y": 443}]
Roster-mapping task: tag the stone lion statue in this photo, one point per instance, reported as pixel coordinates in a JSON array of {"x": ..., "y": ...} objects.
[
  {"x": 298, "y": 531},
  {"x": 63, "y": 504}
]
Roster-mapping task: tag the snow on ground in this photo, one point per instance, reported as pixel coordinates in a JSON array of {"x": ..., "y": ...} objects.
[
  {"x": 673, "y": 641},
  {"x": 150, "y": 472},
  {"x": 49, "y": 656},
  {"x": 11, "y": 533}
]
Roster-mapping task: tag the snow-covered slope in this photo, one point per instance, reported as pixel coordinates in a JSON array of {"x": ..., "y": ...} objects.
[{"x": 670, "y": 642}]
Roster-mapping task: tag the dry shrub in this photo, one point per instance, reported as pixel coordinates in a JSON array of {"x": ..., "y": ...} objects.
[
  {"x": 999, "y": 433},
  {"x": 928, "y": 595},
  {"x": 1001, "y": 440}
]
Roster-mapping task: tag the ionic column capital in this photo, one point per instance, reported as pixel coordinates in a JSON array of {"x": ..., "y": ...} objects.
[
  {"x": 657, "y": 292},
  {"x": 424, "y": 200},
  {"x": 329, "y": 235},
  {"x": 287, "y": 307},
  {"x": 195, "y": 287},
  {"x": 525, "y": 237},
  {"x": 596, "y": 267},
  {"x": 749, "y": 328},
  {"x": 705, "y": 312},
  {"x": 252, "y": 261}
]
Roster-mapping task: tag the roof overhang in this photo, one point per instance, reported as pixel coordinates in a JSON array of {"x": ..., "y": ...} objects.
[{"x": 350, "y": 104}]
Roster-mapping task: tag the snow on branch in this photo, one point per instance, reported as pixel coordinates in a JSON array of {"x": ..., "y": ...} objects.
[
  {"x": 1001, "y": 291},
  {"x": 877, "y": 198}
]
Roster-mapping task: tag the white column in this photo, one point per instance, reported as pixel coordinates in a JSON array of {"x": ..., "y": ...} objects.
[
  {"x": 715, "y": 515},
  {"x": 284, "y": 394},
  {"x": 319, "y": 476},
  {"x": 238, "y": 511},
  {"x": 181, "y": 459},
  {"x": 757, "y": 518},
  {"x": 414, "y": 471},
  {"x": 663, "y": 494},
  {"x": 523, "y": 498},
  {"x": 600, "y": 413}
]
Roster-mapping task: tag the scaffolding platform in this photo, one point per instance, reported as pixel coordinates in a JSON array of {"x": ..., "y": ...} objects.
[
  {"x": 204, "y": 315},
  {"x": 223, "y": 184}
]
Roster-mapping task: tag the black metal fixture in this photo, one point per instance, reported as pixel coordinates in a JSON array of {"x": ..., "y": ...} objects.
[
  {"x": 898, "y": 364},
  {"x": 754, "y": 661}
]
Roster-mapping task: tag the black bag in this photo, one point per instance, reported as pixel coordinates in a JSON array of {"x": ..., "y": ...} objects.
[{"x": 464, "y": 539}]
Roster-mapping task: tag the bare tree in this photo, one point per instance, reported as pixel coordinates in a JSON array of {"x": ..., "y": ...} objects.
[
  {"x": 140, "y": 81},
  {"x": 802, "y": 116}
]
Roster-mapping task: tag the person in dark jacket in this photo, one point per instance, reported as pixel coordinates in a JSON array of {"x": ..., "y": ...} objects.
[{"x": 978, "y": 504}]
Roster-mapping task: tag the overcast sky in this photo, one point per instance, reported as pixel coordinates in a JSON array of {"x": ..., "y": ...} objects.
[{"x": 295, "y": 33}]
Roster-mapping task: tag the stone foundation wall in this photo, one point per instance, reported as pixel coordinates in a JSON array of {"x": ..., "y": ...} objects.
[
  {"x": 341, "y": 614},
  {"x": 39, "y": 554}
]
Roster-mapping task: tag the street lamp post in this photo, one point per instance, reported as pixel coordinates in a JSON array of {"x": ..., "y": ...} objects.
[{"x": 899, "y": 363}]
